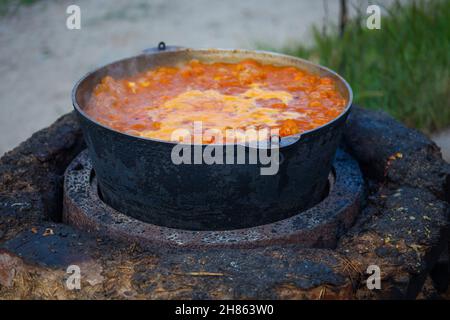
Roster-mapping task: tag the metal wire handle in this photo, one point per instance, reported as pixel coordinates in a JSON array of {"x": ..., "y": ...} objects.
[{"x": 162, "y": 47}]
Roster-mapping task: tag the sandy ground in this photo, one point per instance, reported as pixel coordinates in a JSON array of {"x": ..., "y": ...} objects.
[
  {"x": 442, "y": 139},
  {"x": 40, "y": 59}
]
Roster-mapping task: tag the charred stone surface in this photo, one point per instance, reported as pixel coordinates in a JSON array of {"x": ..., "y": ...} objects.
[
  {"x": 35, "y": 169},
  {"x": 390, "y": 152},
  {"x": 402, "y": 229}
]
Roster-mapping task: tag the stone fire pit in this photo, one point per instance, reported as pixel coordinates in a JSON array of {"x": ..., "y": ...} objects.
[{"x": 402, "y": 228}]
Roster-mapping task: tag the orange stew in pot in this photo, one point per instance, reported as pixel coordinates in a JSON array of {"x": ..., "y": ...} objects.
[{"x": 221, "y": 96}]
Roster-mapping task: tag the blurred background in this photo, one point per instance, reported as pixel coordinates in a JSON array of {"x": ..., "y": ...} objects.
[{"x": 402, "y": 68}]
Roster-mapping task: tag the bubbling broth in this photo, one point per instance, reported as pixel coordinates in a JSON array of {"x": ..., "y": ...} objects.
[{"x": 225, "y": 97}]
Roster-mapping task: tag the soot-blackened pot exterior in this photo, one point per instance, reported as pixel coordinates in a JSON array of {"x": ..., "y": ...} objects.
[{"x": 137, "y": 176}]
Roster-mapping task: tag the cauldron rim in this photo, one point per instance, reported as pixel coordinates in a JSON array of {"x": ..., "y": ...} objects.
[{"x": 284, "y": 141}]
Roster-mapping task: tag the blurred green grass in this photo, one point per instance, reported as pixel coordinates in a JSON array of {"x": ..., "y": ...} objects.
[{"x": 402, "y": 68}]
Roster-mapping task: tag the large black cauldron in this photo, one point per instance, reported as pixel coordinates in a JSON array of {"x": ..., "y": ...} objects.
[{"x": 137, "y": 177}]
